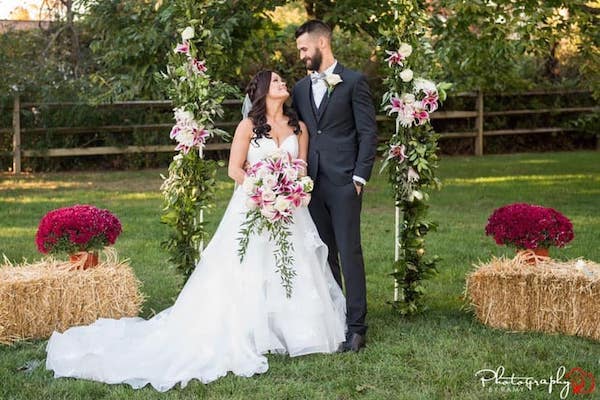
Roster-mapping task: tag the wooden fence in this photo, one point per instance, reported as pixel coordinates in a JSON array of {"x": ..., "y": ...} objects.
[{"x": 477, "y": 135}]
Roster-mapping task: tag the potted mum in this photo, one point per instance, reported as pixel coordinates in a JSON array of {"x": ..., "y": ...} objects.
[
  {"x": 80, "y": 231},
  {"x": 529, "y": 227}
]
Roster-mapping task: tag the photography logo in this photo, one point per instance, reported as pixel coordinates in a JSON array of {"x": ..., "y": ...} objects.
[{"x": 576, "y": 381}]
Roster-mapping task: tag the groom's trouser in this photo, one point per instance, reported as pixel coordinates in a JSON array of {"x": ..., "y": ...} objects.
[{"x": 336, "y": 212}]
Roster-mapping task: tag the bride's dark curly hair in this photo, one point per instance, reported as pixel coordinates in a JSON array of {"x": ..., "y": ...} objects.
[{"x": 257, "y": 90}]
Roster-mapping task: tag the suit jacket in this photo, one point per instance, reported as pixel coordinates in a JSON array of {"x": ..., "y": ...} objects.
[{"x": 343, "y": 131}]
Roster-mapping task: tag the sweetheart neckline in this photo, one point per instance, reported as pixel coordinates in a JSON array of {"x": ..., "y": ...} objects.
[{"x": 282, "y": 142}]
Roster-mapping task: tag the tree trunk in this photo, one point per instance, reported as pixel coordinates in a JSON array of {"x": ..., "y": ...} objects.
[
  {"x": 74, "y": 37},
  {"x": 317, "y": 9},
  {"x": 552, "y": 64}
]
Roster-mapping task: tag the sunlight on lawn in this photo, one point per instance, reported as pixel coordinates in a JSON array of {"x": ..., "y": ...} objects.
[
  {"x": 540, "y": 179},
  {"x": 154, "y": 195},
  {"x": 137, "y": 196},
  {"x": 41, "y": 185},
  {"x": 40, "y": 199},
  {"x": 586, "y": 219},
  {"x": 15, "y": 232},
  {"x": 545, "y": 161}
]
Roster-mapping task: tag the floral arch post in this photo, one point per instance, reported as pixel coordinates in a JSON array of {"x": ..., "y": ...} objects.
[
  {"x": 189, "y": 188},
  {"x": 411, "y": 159}
]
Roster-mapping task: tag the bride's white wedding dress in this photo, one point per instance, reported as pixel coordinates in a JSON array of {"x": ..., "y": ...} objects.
[{"x": 227, "y": 316}]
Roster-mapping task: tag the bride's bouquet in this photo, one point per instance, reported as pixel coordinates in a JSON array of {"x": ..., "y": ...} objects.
[{"x": 275, "y": 187}]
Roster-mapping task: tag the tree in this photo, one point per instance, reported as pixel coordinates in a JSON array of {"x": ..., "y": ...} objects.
[
  {"x": 131, "y": 39},
  {"x": 486, "y": 44}
]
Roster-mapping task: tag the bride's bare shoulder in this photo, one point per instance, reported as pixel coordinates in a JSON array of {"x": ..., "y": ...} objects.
[{"x": 245, "y": 128}]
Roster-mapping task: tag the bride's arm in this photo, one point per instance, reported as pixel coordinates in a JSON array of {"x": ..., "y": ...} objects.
[
  {"x": 303, "y": 142},
  {"x": 303, "y": 145},
  {"x": 239, "y": 150}
]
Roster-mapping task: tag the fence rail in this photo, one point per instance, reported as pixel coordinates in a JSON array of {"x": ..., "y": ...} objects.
[{"x": 478, "y": 135}]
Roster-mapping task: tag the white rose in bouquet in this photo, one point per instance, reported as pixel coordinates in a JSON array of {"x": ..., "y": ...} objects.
[
  {"x": 307, "y": 183},
  {"x": 268, "y": 212},
  {"x": 282, "y": 204},
  {"x": 277, "y": 154},
  {"x": 291, "y": 173},
  {"x": 249, "y": 184},
  {"x": 269, "y": 181},
  {"x": 251, "y": 204},
  {"x": 262, "y": 172},
  {"x": 268, "y": 195}
]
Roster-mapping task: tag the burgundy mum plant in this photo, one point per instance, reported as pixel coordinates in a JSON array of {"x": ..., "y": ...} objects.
[
  {"x": 77, "y": 228},
  {"x": 527, "y": 226}
]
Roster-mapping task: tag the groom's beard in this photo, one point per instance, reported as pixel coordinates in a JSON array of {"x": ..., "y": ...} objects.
[{"x": 314, "y": 63}]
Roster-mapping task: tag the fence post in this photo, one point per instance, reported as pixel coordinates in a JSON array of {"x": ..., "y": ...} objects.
[
  {"x": 479, "y": 124},
  {"x": 16, "y": 122}
]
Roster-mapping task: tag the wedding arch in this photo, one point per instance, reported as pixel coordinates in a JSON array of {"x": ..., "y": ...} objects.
[{"x": 410, "y": 158}]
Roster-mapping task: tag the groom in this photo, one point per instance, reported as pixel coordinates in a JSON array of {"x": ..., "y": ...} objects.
[{"x": 336, "y": 105}]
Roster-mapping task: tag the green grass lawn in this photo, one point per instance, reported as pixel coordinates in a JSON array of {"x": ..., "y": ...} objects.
[{"x": 431, "y": 356}]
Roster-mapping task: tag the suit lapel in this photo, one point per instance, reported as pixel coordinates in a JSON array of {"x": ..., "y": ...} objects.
[
  {"x": 311, "y": 99},
  {"x": 307, "y": 92},
  {"x": 306, "y": 99},
  {"x": 325, "y": 102}
]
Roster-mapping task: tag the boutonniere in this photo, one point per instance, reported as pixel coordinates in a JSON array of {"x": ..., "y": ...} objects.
[{"x": 331, "y": 80}]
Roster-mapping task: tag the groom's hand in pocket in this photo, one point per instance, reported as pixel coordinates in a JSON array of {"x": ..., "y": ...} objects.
[{"x": 358, "y": 188}]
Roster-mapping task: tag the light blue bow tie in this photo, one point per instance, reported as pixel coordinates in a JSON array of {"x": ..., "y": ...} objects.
[{"x": 316, "y": 76}]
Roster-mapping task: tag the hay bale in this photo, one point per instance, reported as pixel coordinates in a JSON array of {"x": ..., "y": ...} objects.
[
  {"x": 548, "y": 296},
  {"x": 37, "y": 299}
]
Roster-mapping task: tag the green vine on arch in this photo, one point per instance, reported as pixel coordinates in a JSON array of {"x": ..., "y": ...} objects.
[
  {"x": 189, "y": 188},
  {"x": 411, "y": 159}
]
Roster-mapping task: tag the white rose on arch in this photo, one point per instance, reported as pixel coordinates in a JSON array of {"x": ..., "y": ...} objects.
[
  {"x": 406, "y": 75},
  {"x": 188, "y": 33},
  {"x": 405, "y": 50}
]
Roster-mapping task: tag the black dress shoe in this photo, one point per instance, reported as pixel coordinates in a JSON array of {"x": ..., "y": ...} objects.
[{"x": 355, "y": 342}]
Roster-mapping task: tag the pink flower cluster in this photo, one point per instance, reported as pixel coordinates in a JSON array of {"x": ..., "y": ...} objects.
[
  {"x": 77, "y": 228},
  {"x": 197, "y": 66},
  {"x": 527, "y": 226},
  {"x": 275, "y": 186},
  {"x": 187, "y": 132},
  {"x": 398, "y": 152},
  {"x": 398, "y": 57},
  {"x": 414, "y": 108}
]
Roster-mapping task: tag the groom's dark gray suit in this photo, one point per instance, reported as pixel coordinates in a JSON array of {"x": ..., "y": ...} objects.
[{"x": 342, "y": 145}]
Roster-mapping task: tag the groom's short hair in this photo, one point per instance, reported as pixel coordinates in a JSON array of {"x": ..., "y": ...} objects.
[{"x": 314, "y": 26}]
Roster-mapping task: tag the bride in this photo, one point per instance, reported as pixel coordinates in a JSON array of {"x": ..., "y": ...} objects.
[{"x": 229, "y": 314}]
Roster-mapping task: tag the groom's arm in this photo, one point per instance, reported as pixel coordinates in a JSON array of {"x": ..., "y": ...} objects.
[{"x": 366, "y": 129}]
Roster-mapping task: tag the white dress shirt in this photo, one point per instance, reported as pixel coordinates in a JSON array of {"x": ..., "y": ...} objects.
[{"x": 319, "y": 88}]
